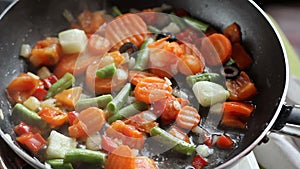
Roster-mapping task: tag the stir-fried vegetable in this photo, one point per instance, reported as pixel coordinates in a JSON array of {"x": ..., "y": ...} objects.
[{"x": 133, "y": 89}]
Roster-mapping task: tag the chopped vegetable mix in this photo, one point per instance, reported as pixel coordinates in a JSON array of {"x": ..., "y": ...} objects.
[{"x": 117, "y": 90}]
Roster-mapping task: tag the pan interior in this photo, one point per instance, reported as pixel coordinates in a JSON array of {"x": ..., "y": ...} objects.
[{"x": 32, "y": 20}]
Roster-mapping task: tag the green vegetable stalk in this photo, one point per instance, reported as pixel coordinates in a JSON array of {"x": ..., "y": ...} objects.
[
  {"x": 192, "y": 79},
  {"x": 168, "y": 139},
  {"x": 142, "y": 58},
  {"x": 62, "y": 84},
  {"x": 119, "y": 100},
  {"x": 128, "y": 111},
  {"x": 84, "y": 155},
  {"x": 107, "y": 71}
]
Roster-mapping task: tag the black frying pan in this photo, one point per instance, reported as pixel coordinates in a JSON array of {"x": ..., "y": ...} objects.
[{"x": 31, "y": 20}]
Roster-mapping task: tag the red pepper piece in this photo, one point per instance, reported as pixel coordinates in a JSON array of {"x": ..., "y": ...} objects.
[
  {"x": 48, "y": 82},
  {"x": 34, "y": 142},
  {"x": 40, "y": 94},
  {"x": 199, "y": 162}
]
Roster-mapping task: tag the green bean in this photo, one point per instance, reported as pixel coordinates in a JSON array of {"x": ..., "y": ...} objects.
[
  {"x": 168, "y": 139},
  {"x": 230, "y": 62},
  {"x": 22, "y": 113},
  {"x": 100, "y": 102},
  {"x": 116, "y": 11},
  {"x": 196, "y": 24},
  {"x": 59, "y": 164},
  {"x": 153, "y": 29},
  {"x": 119, "y": 100},
  {"x": 62, "y": 84},
  {"x": 84, "y": 155},
  {"x": 192, "y": 79},
  {"x": 128, "y": 111},
  {"x": 178, "y": 21},
  {"x": 107, "y": 71},
  {"x": 142, "y": 58}
]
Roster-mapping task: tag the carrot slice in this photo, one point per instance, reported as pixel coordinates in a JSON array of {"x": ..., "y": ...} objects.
[
  {"x": 216, "y": 49},
  {"x": 177, "y": 132},
  {"x": 89, "y": 21},
  {"x": 143, "y": 121},
  {"x": 98, "y": 45},
  {"x": 93, "y": 119},
  {"x": 152, "y": 89},
  {"x": 236, "y": 114},
  {"x": 128, "y": 134},
  {"x": 22, "y": 87},
  {"x": 187, "y": 118},
  {"x": 136, "y": 76},
  {"x": 241, "y": 57},
  {"x": 68, "y": 98},
  {"x": 121, "y": 157},
  {"x": 126, "y": 28},
  {"x": 144, "y": 162},
  {"x": 233, "y": 33},
  {"x": 73, "y": 63}
]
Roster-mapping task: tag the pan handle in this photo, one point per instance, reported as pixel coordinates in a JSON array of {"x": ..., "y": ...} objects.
[{"x": 288, "y": 121}]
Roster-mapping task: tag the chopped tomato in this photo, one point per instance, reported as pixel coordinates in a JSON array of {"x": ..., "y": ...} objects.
[
  {"x": 233, "y": 33},
  {"x": 34, "y": 142},
  {"x": 108, "y": 144},
  {"x": 143, "y": 121},
  {"x": 98, "y": 45},
  {"x": 121, "y": 157},
  {"x": 46, "y": 52},
  {"x": 128, "y": 134},
  {"x": 242, "y": 59},
  {"x": 177, "y": 132},
  {"x": 136, "y": 76},
  {"x": 189, "y": 36},
  {"x": 152, "y": 89},
  {"x": 89, "y": 21},
  {"x": 68, "y": 98},
  {"x": 224, "y": 142},
  {"x": 49, "y": 81},
  {"x": 22, "y": 87},
  {"x": 73, "y": 63},
  {"x": 126, "y": 28},
  {"x": 168, "y": 108},
  {"x": 241, "y": 88},
  {"x": 187, "y": 118},
  {"x": 199, "y": 162},
  {"x": 216, "y": 49},
  {"x": 24, "y": 128},
  {"x": 72, "y": 115},
  {"x": 40, "y": 94},
  {"x": 54, "y": 116},
  {"x": 236, "y": 114}
]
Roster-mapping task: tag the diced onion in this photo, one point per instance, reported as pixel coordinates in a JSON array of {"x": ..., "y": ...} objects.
[
  {"x": 32, "y": 103},
  {"x": 33, "y": 75},
  {"x": 25, "y": 50},
  {"x": 73, "y": 40},
  {"x": 48, "y": 103},
  {"x": 172, "y": 27},
  {"x": 1, "y": 115},
  {"x": 121, "y": 74},
  {"x": 93, "y": 142},
  {"x": 43, "y": 72},
  {"x": 204, "y": 151}
]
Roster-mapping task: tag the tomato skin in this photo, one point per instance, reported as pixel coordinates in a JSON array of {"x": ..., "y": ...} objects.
[
  {"x": 233, "y": 33},
  {"x": 224, "y": 142},
  {"x": 22, "y": 87},
  {"x": 54, "y": 116},
  {"x": 199, "y": 162},
  {"x": 241, "y": 88},
  {"x": 40, "y": 94},
  {"x": 34, "y": 142},
  {"x": 188, "y": 35},
  {"x": 24, "y": 128},
  {"x": 72, "y": 115}
]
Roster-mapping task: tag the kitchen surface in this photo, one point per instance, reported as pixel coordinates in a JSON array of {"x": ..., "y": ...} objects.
[{"x": 280, "y": 151}]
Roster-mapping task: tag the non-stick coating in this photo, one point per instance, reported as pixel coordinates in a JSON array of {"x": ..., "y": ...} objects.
[{"x": 31, "y": 20}]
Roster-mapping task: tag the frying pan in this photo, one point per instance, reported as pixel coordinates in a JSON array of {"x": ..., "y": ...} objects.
[{"x": 31, "y": 20}]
